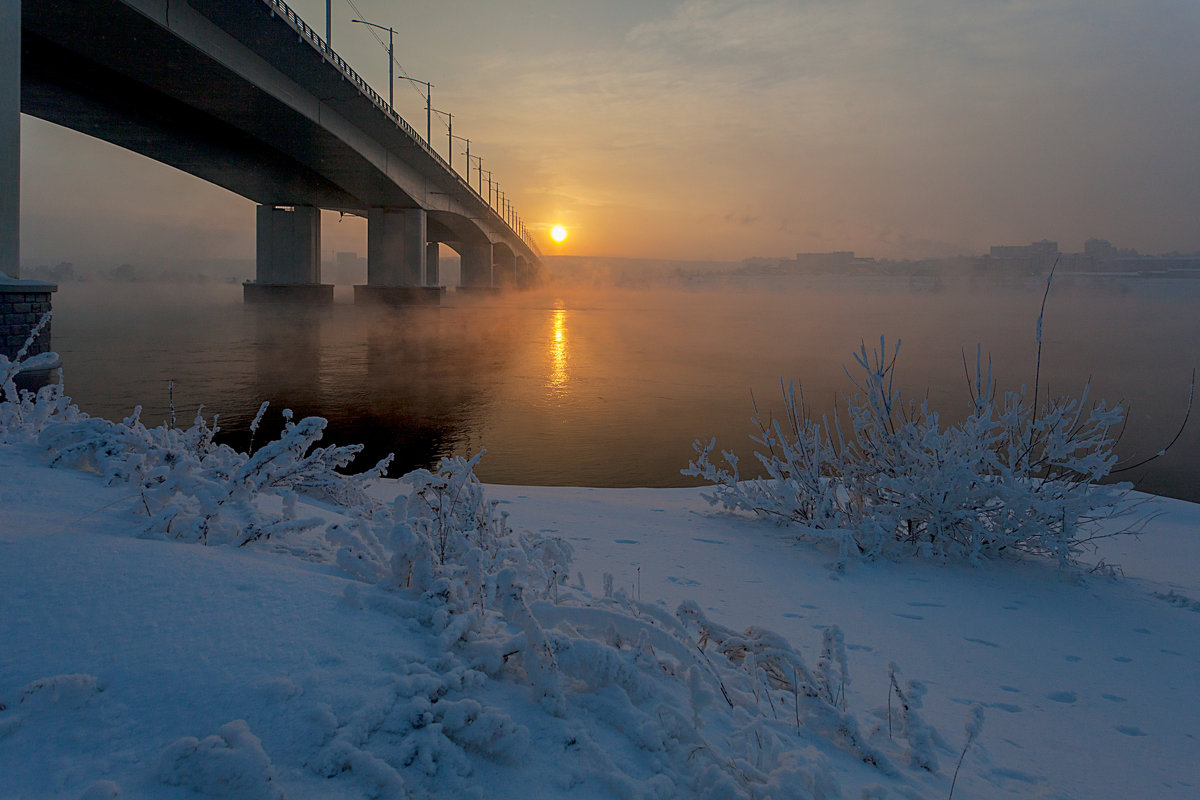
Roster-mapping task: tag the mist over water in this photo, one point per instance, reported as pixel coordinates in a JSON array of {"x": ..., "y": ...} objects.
[{"x": 596, "y": 386}]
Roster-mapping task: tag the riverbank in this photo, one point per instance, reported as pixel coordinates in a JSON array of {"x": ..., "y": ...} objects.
[{"x": 137, "y": 668}]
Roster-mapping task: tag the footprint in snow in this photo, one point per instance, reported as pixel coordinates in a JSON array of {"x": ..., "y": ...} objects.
[
  {"x": 790, "y": 615},
  {"x": 683, "y": 581},
  {"x": 1129, "y": 730},
  {"x": 983, "y": 642},
  {"x": 625, "y": 541},
  {"x": 1062, "y": 697},
  {"x": 1009, "y": 707},
  {"x": 1012, "y": 689},
  {"x": 1113, "y": 698},
  {"x": 1074, "y": 659},
  {"x": 707, "y": 541},
  {"x": 908, "y": 616},
  {"x": 927, "y": 605},
  {"x": 861, "y": 647},
  {"x": 1013, "y": 775},
  {"x": 1122, "y": 659}
]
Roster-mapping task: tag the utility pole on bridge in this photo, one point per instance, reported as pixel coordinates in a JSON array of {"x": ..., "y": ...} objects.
[
  {"x": 468, "y": 141},
  {"x": 391, "y": 58},
  {"x": 428, "y": 105}
]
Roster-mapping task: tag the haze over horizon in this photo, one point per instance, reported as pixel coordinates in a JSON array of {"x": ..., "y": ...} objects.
[{"x": 725, "y": 129}]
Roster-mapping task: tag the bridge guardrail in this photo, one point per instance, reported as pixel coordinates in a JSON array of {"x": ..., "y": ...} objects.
[{"x": 314, "y": 40}]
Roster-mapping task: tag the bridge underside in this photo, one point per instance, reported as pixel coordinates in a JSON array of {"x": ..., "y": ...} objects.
[
  {"x": 230, "y": 94},
  {"x": 132, "y": 99}
]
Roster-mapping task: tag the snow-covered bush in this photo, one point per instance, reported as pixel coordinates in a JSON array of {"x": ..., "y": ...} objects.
[
  {"x": 191, "y": 488},
  {"x": 1012, "y": 477},
  {"x": 186, "y": 485},
  {"x": 230, "y": 763}
]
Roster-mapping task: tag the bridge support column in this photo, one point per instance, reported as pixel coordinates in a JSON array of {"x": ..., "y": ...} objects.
[
  {"x": 396, "y": 259},
  {"x": 432, "y": 257},
  {"x": 477, "y": 269},
  {"x": 288, "y": 258},
  {"x": 10, "y": 138},
  {"x": 22, "y": 303}
]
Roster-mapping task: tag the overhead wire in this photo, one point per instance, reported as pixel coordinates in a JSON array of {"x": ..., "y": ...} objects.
[
  {"x": 403, "y": 72},
  {"x": 379, "y": 39}
]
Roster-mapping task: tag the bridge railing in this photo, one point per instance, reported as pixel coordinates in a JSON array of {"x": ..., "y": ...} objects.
[{"x": 284, "y": 11}]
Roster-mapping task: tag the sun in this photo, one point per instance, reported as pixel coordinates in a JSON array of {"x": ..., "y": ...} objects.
[{"x": 558, "y": 233}]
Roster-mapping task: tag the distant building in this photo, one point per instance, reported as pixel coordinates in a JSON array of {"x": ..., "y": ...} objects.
[
  {"x": 1035, "y": 257},
  {"x": 824, "y": 262},
  {"x": 1100, "y": 250},
  {"x": 347, "y": 269}
]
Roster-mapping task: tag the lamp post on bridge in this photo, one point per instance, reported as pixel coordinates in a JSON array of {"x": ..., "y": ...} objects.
[
  {"x": 391, "y": 57},
  {"x": 489, "y": 174},
  {"x": 428, "y": 106},
  {"x": 450, "y": 135},
  {"x": 481, "y": 171},
  {"x": 468, "y": 141}
]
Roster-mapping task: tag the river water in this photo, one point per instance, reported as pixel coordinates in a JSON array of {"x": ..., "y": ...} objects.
[{"x": 609, "y": 387}]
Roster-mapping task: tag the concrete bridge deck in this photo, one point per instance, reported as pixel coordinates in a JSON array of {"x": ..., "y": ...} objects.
[{"x": 244, "y": 94}]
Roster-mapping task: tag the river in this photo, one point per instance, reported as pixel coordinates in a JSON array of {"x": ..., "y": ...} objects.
[{"x": 595, "y": 386}]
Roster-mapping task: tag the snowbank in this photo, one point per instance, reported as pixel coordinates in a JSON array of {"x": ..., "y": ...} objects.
[{"x": 146, "y": 668}]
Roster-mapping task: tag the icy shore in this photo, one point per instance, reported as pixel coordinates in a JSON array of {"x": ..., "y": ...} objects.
[{"x": 146, "y": 668}]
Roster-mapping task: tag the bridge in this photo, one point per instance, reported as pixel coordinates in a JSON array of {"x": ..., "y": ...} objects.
[{"x": 244, "y": 94}]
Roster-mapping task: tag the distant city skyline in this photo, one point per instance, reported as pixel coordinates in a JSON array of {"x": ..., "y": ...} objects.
[{"x": 727, "y": 129}]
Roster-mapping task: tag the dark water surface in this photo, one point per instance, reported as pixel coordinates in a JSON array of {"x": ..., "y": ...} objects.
[{"x": 608, "y": 387}]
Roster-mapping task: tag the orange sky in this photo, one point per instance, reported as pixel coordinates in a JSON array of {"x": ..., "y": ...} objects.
[{"x": 723, "y": 129}]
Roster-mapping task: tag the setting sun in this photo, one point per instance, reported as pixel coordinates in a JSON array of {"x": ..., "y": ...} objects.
[{"x": 558, "y": 233}]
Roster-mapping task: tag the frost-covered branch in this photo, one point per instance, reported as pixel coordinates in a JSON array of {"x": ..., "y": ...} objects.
[{"x": 1010, "y": 478}]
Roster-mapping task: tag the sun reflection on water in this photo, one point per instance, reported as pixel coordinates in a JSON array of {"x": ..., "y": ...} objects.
[{"x": 558, "y": 350}]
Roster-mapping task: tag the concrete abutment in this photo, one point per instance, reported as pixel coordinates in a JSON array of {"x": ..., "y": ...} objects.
[{"x": 22, "y": 306}]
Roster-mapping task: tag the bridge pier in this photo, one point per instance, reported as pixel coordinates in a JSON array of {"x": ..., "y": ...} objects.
[
  {"x": 288, "y": 268},
  {"x": 397, "y": 252},
  {"x": 22, "y": 303},
  {"x": 478, "y": 271},
  {"x": 432, "y": 264},
  {"x": 10, "y": 138}
]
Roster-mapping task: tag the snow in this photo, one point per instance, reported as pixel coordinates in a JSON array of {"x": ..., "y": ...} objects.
[{"x": 141, "y": 667}]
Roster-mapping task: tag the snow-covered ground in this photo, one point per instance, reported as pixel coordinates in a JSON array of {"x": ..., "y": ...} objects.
[{"x": 143, "y": 668}]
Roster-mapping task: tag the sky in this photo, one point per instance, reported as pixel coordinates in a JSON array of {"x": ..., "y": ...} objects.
[{"x": 727, "y": 129}]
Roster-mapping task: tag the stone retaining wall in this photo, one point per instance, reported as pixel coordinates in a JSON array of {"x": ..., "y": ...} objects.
[{"x": 20, "y": 310}]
